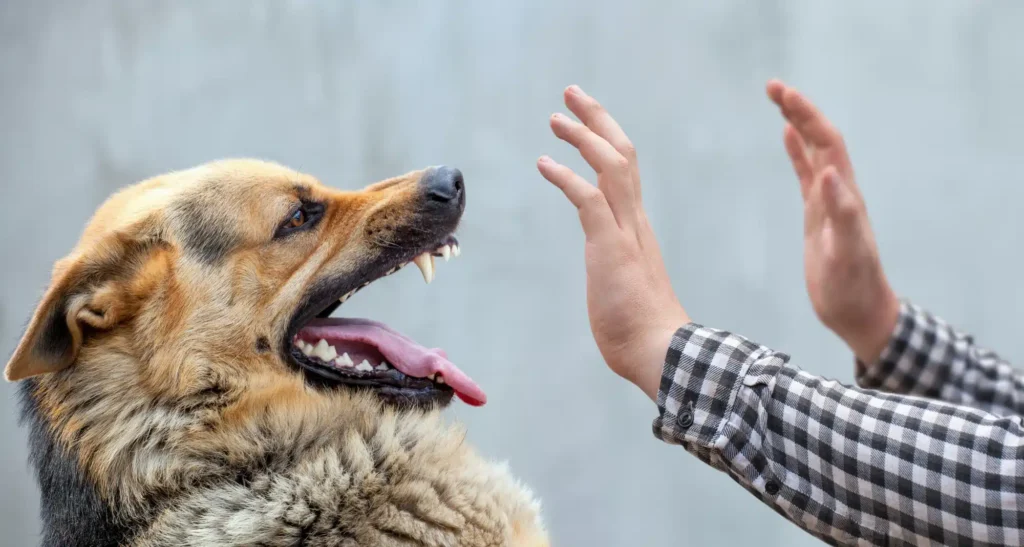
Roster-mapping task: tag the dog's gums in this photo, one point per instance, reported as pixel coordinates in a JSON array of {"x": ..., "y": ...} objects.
[{"x": 368, "y": 354}]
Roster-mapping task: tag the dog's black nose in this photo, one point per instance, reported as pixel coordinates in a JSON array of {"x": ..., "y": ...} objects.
[{"x": 444, "y": 184}]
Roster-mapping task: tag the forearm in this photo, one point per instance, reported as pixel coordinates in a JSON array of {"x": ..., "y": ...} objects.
[
  {"x": 927, "y": 357},
  {"x": 845, "y": 464}
]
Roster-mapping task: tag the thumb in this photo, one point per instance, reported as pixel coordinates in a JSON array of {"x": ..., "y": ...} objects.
[{"x": 841, "y": 206}]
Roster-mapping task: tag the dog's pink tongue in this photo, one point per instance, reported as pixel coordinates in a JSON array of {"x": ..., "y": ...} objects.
[{"x": 406, "y": 355}]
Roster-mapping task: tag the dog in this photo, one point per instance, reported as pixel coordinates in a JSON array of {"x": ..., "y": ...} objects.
[{"x": 184, "y": 383}]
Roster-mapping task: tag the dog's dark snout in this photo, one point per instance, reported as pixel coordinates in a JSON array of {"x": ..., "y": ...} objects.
[{"x": 444, "y": 184}]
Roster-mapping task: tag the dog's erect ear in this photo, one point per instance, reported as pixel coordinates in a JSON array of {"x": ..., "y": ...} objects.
[{"x": 94, "y": 288}]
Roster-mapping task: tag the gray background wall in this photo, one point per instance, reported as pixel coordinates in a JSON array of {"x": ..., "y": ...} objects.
[{"x": 98, "y": 94}]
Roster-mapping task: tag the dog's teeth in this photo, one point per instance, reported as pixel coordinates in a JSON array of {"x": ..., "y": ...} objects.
[
  {"x": 345, "y": 297},
  {"x": 344, "y": 360},
  {"x": 306, "y": 347},
  {"x": 455, "y": 250},
  {"x": 320, "y": 346},
  {"x": 382, "y": 366},
  {"x": 446, "y": 252},
  {"x": 425, "y": 262},
  {"x": 324, "y": 351},
  {"x": 439, "y": 379},
  {"x": 365, "y": 366}
]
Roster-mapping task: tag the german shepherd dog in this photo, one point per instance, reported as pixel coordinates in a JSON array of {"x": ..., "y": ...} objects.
[{"x": 184, "y": 383}]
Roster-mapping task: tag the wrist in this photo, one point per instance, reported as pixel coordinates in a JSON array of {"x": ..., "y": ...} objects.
[
  {"x": 869, "y": 341},
  {"x": 647, "y": 372}
]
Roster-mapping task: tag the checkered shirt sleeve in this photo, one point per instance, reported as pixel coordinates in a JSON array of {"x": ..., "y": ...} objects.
[
  {"x": 929, "y": 358},
  {"x": 849, "y": 465}
]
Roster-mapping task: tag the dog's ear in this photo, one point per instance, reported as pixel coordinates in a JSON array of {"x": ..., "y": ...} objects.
[{"x": 93, "y": 289}]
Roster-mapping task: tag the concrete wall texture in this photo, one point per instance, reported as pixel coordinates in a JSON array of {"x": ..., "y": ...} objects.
[{"x": 98, "y": 94}]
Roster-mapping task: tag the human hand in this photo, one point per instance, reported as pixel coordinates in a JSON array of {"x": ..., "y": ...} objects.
[
  {"x": 633, "y": 310},
  {"x": 845, "y": 280}
]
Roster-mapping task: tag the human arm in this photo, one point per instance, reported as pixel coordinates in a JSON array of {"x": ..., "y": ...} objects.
[
  {"x": 899, "y": 347},
  {"x": 796, "y": 441},
  {"x": 850, "y": 466}
]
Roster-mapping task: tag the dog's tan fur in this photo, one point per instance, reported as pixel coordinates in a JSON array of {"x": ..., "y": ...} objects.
[{"x": 154, "y": 363}]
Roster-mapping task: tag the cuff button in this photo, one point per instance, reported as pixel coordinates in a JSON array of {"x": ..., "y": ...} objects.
[{"x": 685, "y": 417}]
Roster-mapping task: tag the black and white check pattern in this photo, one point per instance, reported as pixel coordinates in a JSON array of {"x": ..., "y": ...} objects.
[
  {"x": 928, "y": 358},
  {"x": 855, "y": 466}
]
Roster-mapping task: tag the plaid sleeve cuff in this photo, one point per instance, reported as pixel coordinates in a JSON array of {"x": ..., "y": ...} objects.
[
  {"x": 699, "y": 382},
  {"x": 916, "y": 359}
]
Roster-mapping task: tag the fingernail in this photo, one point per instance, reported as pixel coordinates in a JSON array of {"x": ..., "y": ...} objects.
[
  {"x": 575, "y": 90},
  {"x": 557, "y": 117},
  {"x": 545, "y": 159}
]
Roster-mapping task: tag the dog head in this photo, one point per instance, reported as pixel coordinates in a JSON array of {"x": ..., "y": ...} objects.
[{"x": 226, "y": 274}]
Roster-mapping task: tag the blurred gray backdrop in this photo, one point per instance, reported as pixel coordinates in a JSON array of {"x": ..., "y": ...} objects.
[{"x": 98, "y": 94}]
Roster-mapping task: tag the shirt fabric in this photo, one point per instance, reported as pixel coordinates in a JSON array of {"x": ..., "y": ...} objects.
[{"x": 928, "y": 450}]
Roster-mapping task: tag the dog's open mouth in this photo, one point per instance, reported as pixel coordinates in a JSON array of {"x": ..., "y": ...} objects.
[{"x": 361, "y": 353}]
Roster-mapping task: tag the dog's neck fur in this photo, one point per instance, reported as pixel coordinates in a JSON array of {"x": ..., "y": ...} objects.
[
  {"x": 113, "y": 463},
  {"x": 96, "y": 443},
  {"x": 70, "y": 506}
]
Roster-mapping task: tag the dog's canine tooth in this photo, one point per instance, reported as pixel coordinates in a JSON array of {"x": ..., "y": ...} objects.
[
  {"x": 344, "y": 360},
  {"x": 439, "y": 379},
  {"x": 456, "y": 251},
  {"x": 425, "y": 262},
  {"x": 365, "y": 366},
  {"x": 446, "y": 252}
]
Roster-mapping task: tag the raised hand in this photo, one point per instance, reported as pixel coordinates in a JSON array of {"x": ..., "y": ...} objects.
[
  {"x": 847, "y": 286},
  {"x": 633, "y": 310}
]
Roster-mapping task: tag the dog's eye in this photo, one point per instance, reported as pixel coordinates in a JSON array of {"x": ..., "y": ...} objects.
[
  {"x": 297, "y": 219},
  {"x": 302, "y": 218}
]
